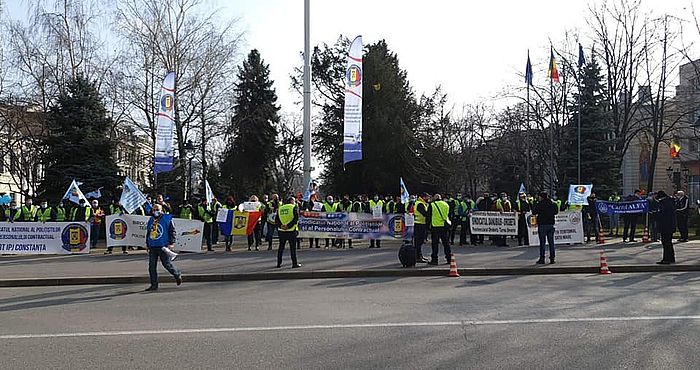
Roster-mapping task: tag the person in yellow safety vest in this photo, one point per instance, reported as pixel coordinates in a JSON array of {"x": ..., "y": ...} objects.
[
  {"x": 329, "y": 206},
  {"x": 389, "y": 205},
  {"x": 438, "y": 214},
  {"x": 186, "y": 210},
  {"x": 502, "y": 205},
  {"x": 614, "y": 222},
  {"x": 420, "y": 231},
  {"x": 59, "y": 212},
  {"x": 557, "y": 201},
  {"x": 288, "y": 223},
  {"x": 83, "y": 213},
  {"x": 43, "y": 214},
  {"x": 454, "y": 204},
  {"x": 28, "y": 211},
  {"x": 374, "y": 203},
  {"x": 205, "y": 213},
  {"x": 13, "y": 213},
  {"x": 463, "y": 208}
]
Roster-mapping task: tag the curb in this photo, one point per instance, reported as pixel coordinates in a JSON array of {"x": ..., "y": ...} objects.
[{"x": 341, "y": 274}]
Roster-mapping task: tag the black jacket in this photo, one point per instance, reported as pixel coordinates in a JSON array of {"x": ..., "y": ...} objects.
[
  {"x": 545, "y": 211},
  {"x": 666, "y": 219}
]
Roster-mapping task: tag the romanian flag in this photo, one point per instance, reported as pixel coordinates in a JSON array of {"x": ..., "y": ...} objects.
[
  {"x": 553, "y": 71},
  {"x": 675, "y": 149},
  {"x": 243, "y": 223}
]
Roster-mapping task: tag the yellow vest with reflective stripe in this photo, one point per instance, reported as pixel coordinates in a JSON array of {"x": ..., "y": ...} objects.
[
  {"x": 43, "y": 215},
  {"x": 60, "y": 214},
  {"x": 286, "y": 214},
  {"x": 419, "y": 218},
  {"x": 440, "y": 211}
]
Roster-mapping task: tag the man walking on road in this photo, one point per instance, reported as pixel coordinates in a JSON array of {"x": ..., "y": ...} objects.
[
  {"x": 666, "y": 223},
  {"x": 160, "y": 233},
  {"x": 545, "y": 210}
]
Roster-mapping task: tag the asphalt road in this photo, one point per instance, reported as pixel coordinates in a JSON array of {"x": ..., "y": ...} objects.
[{"x": 630, "y": 321}]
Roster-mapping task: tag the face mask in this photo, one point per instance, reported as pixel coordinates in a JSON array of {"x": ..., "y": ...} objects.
[
  {"x": 330, "y": 202},
  {"x": 15, "y": 207},
  {"x": 44, "y": 206},
  {"x": 29, "y": 204},
  {"x": 376, "y": 199},
  {"x": 156, "y": 213}
]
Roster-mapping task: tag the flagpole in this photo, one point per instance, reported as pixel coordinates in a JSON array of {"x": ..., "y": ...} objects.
[
  {"x": 551, "y": 125},
  {"x": 307, "y": 96},
  {"x": 579, "y": 124},
  {"x": 527, "y": 139}
]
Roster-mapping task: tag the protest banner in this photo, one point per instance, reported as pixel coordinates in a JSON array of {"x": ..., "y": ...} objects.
[
  {"x": 568, "y": 228},
  {"x": 616, "y": 208},
  {"x": 130, "y": 230},
  {"x": 353, "y": 226},
  {"x": 44, "y": 238},
  {"x": 493, "y": 223},
  {"x": 578, "y": 194}
]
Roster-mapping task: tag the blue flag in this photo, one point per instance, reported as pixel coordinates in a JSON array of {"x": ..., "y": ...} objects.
[
  {"x": 528, "y": 70},
  {"x": 226, "y": 227},
  {"x": 310, "y": 190},
  {"x": 132, "y": 197},
  {"x": 522, "y": 188},
  {"x": 404, "y": 192}
]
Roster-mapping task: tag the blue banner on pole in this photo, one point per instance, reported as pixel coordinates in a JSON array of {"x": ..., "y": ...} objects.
[{"x": 616, "y": 208}]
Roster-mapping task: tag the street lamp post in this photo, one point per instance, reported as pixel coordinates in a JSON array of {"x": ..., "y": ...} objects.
[{"x": 190, "y": 149}]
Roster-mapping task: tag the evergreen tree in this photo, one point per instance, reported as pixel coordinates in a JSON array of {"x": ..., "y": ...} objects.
[
  {"x": 78, "y": 146},
  {"x": 389, "y": 121},
  {"x": 598, "y": 164},
  {"x": 249, "y": 159}
]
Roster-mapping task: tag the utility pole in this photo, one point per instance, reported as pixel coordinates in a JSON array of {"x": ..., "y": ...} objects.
[{"x": 307, "y": 96}]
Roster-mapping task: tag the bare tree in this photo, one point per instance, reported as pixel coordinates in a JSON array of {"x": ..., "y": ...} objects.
[{"x": 290, "y": 158}]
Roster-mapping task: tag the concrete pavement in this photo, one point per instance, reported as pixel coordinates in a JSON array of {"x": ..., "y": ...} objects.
[
  {"x": 506, "y": 322},
  {"x": 338, "y": 263}
]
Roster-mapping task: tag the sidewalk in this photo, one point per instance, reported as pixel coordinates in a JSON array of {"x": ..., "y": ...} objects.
[{"x": 337, "y": 263}]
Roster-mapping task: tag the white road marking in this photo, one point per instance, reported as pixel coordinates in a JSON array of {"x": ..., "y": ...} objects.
[{"x": 347, "y": 326}]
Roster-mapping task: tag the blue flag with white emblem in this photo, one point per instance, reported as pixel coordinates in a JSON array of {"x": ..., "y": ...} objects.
[{"x": 132, "y": 198}]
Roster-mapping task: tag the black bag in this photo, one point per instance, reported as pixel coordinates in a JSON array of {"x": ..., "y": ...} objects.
[{"x": 407, "y": 255}]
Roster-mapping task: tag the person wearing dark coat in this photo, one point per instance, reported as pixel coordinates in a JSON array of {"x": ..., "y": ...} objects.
[{"x": 666, "y": 222}]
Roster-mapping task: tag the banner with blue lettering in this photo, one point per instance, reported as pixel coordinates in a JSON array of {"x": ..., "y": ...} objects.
[
  {"x": 44, "y": 238},
  {"x": 355, "y": 226},
  {"x": 165, "y": 126},
  {"x": 615, "y": 208},
  {"x": 352, "y": 122}
]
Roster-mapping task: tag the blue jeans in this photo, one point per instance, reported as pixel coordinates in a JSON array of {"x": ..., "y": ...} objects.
[
  {"x": 153, "y": 255},
  {"x": 546, "y": 232}
]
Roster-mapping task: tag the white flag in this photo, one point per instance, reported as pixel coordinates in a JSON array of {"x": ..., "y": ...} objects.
[
  {"x": 132, "y": 198},
  {"x": 210, "y": 194},
  {"x": 74, "y": 194}
]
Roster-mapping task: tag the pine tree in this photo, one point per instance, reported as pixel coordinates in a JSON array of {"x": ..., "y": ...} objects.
[
  {"x": 249, "y": 159},
  {"x": 78, "y": 146},
  {"x": 597, "y": 158},
  {"x": 389, "y": 120}
]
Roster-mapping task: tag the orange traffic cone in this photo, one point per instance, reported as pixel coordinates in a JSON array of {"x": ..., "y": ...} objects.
[
  {"x": 453, "y": 266},
  {"x": 604, "y": 264},
  {"x": 600, "y": 239},
  {"x": 645, "y": 237}
]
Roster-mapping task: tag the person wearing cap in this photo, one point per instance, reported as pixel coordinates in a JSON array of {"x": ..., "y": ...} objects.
[
  {"x": 545, "y": 210},
  {"x": 667, "y": 226},
  {"x": 438, "y": 214}
]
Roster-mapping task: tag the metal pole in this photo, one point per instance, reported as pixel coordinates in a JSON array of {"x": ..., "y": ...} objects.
[
  {"x": 579, "y": 126},
  {"x": 189, "y": 178},
  {"x": 307, "y": 96},
  {"x": 527, "y": 140}
]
